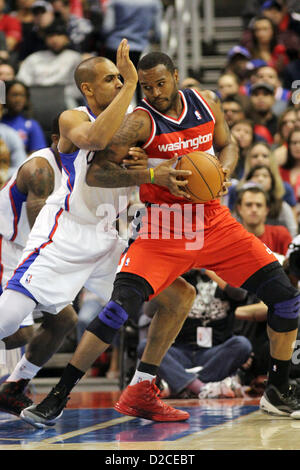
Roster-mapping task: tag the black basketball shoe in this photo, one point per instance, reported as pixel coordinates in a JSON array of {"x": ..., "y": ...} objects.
[
  {"x": 12, "y": 397},
  {"x": 282, "y": 404},
  {"x": 48, "y": 411}
]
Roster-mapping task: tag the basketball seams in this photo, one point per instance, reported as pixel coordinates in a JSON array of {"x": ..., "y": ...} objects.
[
  {"x": 199, "y": 172},
  {"x": 217, "y": 167}
]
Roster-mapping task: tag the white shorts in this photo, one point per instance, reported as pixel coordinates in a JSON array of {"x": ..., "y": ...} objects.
[
  {"x": 61, "y": 256},
  {"x": 10, "y": 254}
]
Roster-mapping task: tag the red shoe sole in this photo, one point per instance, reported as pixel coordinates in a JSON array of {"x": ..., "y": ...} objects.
[{"x": 126, "y": 410}]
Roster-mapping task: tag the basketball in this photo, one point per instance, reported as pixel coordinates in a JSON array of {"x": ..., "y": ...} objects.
[{"x": 207, "y": 176}]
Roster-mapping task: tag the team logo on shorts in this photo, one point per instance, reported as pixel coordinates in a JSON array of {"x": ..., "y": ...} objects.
[
  {"x": 127, "y": 262},
  {"x": 28, "y": 278}
]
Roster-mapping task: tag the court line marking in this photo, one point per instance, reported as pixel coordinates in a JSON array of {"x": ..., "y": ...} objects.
[{"x": 79, "y": 432}]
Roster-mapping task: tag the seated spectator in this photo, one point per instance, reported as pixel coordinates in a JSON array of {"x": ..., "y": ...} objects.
[
  {"x": 53, "y": 66},
  {"x": 286, "y": 22},
  {"x": 290, "y": 170},
  {"x": 228, "y": 85},
  {"x": 16, "y": 116},
  {"x": 233, "y": 110},
  {"x": 266, "y": 74},
  {"x": 286, "y": 123},
  {"x": 11, "y": 27},
  {"x": 34, "y": 35},
  {"x": 253, "y": 207},
  {"x": 261, "y": 103},
  {"x": 280, "y": 213},
  {"x": 24, "y": 14},
  {"x": 190, "y": 82},
  {"x": 243, "y": 132},
  {"x": 7, "y": 71},
  {"x": 262, "y": 42},
  {"x": 79, "y": 29},
  {"x": 237, "y": 61},
  {"x": 205, "y": 341},
  {"x": 260, "y": 154},
  {"x": 14, "y": 144}
]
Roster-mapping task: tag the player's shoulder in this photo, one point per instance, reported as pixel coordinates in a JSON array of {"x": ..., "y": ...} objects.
[{"x": 68, "y": 115}]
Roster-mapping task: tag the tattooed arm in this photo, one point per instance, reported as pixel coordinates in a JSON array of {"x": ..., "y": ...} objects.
[
  {"x": 105, "y": 170},
  {"x": 36, "y": 179},
  {"x": 224, "y": 144}
]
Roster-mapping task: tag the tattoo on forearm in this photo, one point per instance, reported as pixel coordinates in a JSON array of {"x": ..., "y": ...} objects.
[
  {"x": 128, "y": 133},
  {"x": 111, "y": 175}
]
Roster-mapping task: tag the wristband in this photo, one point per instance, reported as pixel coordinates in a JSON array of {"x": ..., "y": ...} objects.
[{"x": 151, "y": 175}]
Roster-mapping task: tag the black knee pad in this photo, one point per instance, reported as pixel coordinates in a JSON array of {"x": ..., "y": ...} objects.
[
  {"x": 271, "y": 285},
  {"x": 129, "y": 294}
]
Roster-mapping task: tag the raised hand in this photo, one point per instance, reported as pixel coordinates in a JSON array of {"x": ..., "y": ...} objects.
[{"x": 124, "y": 64}]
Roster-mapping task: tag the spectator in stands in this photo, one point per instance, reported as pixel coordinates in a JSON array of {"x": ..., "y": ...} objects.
[
  {"x": 286, "y": 124},
  {"x": 237, "y": 61},
  {"x": 34, "y": 36},
  {"x": 205, "y": 341},
  {"x": 263, "y": 43},
  {"x": 7, "y": 71},
  {"x": 14, "y": 144},
  {"x": 233, "y": 110},
  {"x": 138, "y": 21},
  {"x": 24, "y": 14},
  {"x": 11, "y": 27},
  {"x": 17, "y": 116},
  {"x": 280, "y": 213},
  {"x": 261, "y": 103},
  {"x": 253, "y": 206},
  {"x": 290, "y": 170},
  {"x": 266, "y": 74},
  {"x": 228, "y": 84},
  {"x": 243, "y": 132},
  {"x": 260, "y": 154},
  {"x": 286, "y": 22},
  {"x": 190, "y": 82},
  {"x": 54, "y": 66},
  {"x": 79, "y": 29}
]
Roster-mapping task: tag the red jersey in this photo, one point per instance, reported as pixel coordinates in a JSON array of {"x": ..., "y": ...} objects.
[
  {"x": 277, "y": 238},
  {"x": 192, "y": 131}
]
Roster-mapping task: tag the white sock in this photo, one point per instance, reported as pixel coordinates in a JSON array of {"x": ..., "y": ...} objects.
[
  {"x": 23, "y": 370},
  {"x": 140, "y": 376}
]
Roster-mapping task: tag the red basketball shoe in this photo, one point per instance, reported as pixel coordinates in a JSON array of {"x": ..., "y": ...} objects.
[{"x": 142, "y": 400}]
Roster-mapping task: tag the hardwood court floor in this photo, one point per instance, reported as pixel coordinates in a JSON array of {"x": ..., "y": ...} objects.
[{"x": 91, "y": 423}]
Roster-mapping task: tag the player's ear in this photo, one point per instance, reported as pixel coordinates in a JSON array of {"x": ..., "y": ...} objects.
[
  {"x": 86, "y": 89},
  {"x": 176, "y": 76}
]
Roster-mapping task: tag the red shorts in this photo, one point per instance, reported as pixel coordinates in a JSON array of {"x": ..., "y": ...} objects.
[{"x": 226, "y": 248}]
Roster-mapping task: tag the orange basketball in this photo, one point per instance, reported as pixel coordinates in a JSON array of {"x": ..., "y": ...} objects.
[{"x": 207, "y": 176}]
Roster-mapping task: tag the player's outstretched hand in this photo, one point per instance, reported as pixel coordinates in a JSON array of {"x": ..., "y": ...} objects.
[
  {"x": 137, "y": 159},
  {"x": 124, "y": 64},
  {"x": 174, "y": 180},
  {"x": 226, "y": 183}
]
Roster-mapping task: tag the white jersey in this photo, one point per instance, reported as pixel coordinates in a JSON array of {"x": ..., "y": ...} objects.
[
  {"x": 14, "y": 225},
  {"x": 84, "y": 202}
]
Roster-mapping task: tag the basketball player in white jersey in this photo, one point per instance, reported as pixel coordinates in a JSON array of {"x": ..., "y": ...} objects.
[
  {"x": 20, "y": 202},
  {"x": 68, "y": 246}
]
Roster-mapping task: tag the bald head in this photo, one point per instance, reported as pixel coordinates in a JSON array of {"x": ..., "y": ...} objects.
[{"x": 86, "y": 70}]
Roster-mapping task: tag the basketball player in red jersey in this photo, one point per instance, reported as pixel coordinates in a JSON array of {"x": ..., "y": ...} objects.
[{"x": 170, "y": 121}]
